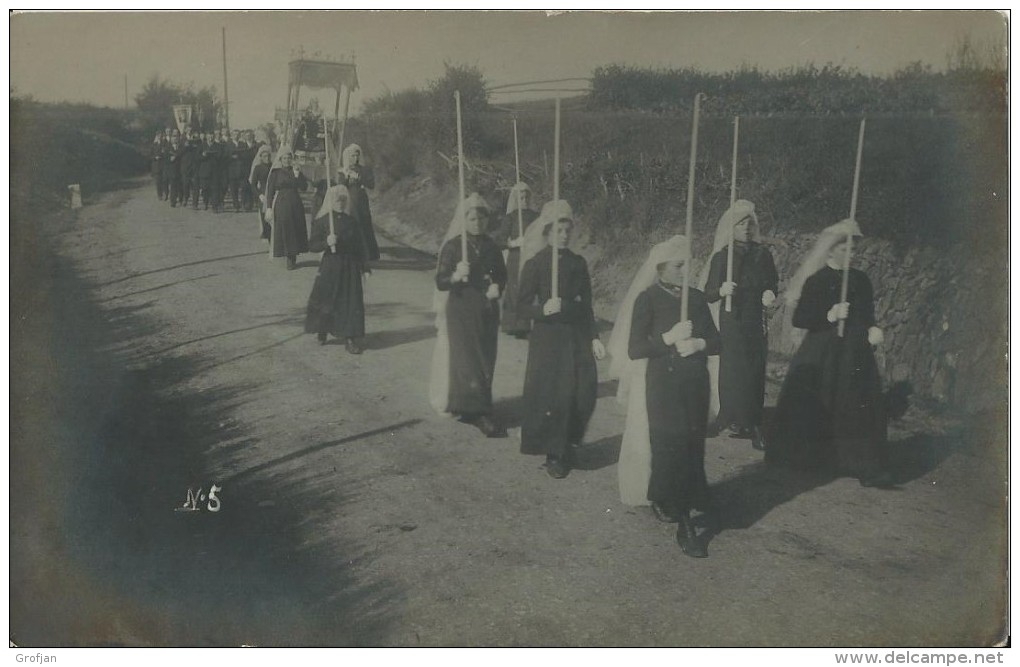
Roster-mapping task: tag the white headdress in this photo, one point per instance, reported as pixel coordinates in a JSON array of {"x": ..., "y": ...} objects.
[
  {"x": 535, "y": 236},
  {"x": 336, "y": 199},
  {"x": 512, "y": 199}
]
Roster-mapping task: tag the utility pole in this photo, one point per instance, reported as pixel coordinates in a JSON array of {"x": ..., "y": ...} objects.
[{"x": 125, "y": 92}]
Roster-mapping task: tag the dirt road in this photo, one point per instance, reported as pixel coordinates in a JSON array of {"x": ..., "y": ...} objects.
[{"x": 156, "y": 350}]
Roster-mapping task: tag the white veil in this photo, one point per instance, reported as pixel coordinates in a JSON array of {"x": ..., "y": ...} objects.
[
  {"x": 439, "y": 377},
  {"x": 635, "y": 465}
]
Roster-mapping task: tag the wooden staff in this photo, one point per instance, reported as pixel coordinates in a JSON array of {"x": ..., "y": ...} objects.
[
  {"x": 520, "y": 213},
  {"x": 556, "y": 196},
  {"x": 853, "y": 216},
  {"x": 517, "y": 165},
  {"x": 460, "y": 174},
  {"x": 690, "y": 206},
  {"x": 733, "y": 199},
  {"x": 327, "y": 140}
]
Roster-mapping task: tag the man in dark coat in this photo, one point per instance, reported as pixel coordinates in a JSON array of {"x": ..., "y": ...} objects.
[
  {"x": 561, "y": 381},
  {"x": 176, "y": 154},
  {"x": 209, "y": 156},
  {"x": 743, "y": 328},
  {"x": 189, "y": 168},
  {"x": 237, "y": 169}
]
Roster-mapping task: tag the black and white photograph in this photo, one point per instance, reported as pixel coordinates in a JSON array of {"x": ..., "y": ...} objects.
[{"x": 587, "y": 328}]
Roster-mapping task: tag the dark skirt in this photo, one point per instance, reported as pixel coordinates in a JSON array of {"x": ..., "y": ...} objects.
[
  {"x": 560, "y": 388},
  {"x": 831, "y": 416},
  {"x": 677, "y": 396},
  {"x": 742, "y": 378},
  {"x": 472, "y": 323},
  {"x": 337, "y": 302},
  {"x": 512, "y": 323},
  {"x": 290, "y": 234}
]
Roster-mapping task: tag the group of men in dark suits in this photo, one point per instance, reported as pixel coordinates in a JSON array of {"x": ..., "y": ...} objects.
[{"x": 196, "y": 167}]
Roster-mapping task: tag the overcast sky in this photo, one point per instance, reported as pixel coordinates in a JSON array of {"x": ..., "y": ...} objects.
[{"x": 85, "y": 56}]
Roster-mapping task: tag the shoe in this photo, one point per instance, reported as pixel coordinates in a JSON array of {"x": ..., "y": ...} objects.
[
  {"x": 662, "y": 514},
  {"x": 322, "y": 339},
  {"x": 687, "y": 538},
  {"x": 758, "y": 439},
  {"x": 291, "y": 263},
  {"x": 489, "y": 427},
  {"x": 556, "y": 467},
  {"x": 353, "y": 347}
]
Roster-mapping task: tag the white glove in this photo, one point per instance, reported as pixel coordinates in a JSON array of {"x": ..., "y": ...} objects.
[
  {"x": 875, "y": 336},
  {"x": 552, "y": 306},
  {"x": 768, "y": 297},
  {"x": 598, "y": 349},
  {"x": 493, "y": 292},
  {"x": 689, "y": 346},
  {"x": 839, "y": 311},
  {"x": 331, "y": 240},
  {"x": 262, "y": 199},
  {"x": 726, "y": 289},
  {"x": 461, "y": 273},
  {"x": 515, "y": 243},
  {"x": 680, "y": 331}
]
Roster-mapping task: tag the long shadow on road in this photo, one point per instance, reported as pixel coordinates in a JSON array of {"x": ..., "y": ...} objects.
[{"x": 106, "y": 454}]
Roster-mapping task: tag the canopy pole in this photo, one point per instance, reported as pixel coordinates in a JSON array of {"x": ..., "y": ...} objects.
[
  {"x": 556, "y": 196},
  {"x": 733, "y": 199},
  {"x": 853, "y": 216},
  {"x": 684, "y": 297},
  {"x": 460, "y": 178}
]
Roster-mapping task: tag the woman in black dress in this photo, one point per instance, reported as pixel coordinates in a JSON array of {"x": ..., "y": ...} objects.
[
  {"x": 661, "y": 363},
  {"x": 831, "y": 415},
  {"x": 466, "y": 303},
  {"x": 337, "y": 303},
  {"x": 290, "y": 230},
  {"x": 739, "y": 379},
  {"x": 561, "y": 380},
  {"x": 510, "y": 238}
]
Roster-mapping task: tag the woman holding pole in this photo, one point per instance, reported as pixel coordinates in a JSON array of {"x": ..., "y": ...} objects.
[
  {"x": 510, "y": 235},
  {"x": 359, "y": 178},
  {"x": 561, "y": 380},
  {"x": 290, "y": 231},
  {"x": 337, "y": 303},
  {"x": 468, "y": 287},
  {"x": 660, "y": 358},
  {"x": 259, "y": 179},
  {"x": 742, "y": 273},
  {"x": 831, "y": 415}
]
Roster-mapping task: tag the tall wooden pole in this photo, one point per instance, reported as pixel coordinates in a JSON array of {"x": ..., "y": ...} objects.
[
  {"x": 733, "y": 198},
  {"x": 690, "y": 207},
  {"x": 853, "y": 216},
  {"x": 460, "y": 175},
  {"x": 125, "y": 92},
  {"x": 226, "y": 97},
  {"x": 326, "y": 141},
  {"x": 556, "y": 196},
  {"x": 517, "y": 166}
]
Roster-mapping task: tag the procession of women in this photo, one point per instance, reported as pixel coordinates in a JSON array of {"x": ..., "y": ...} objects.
[{"x": 688, "y": 352}]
